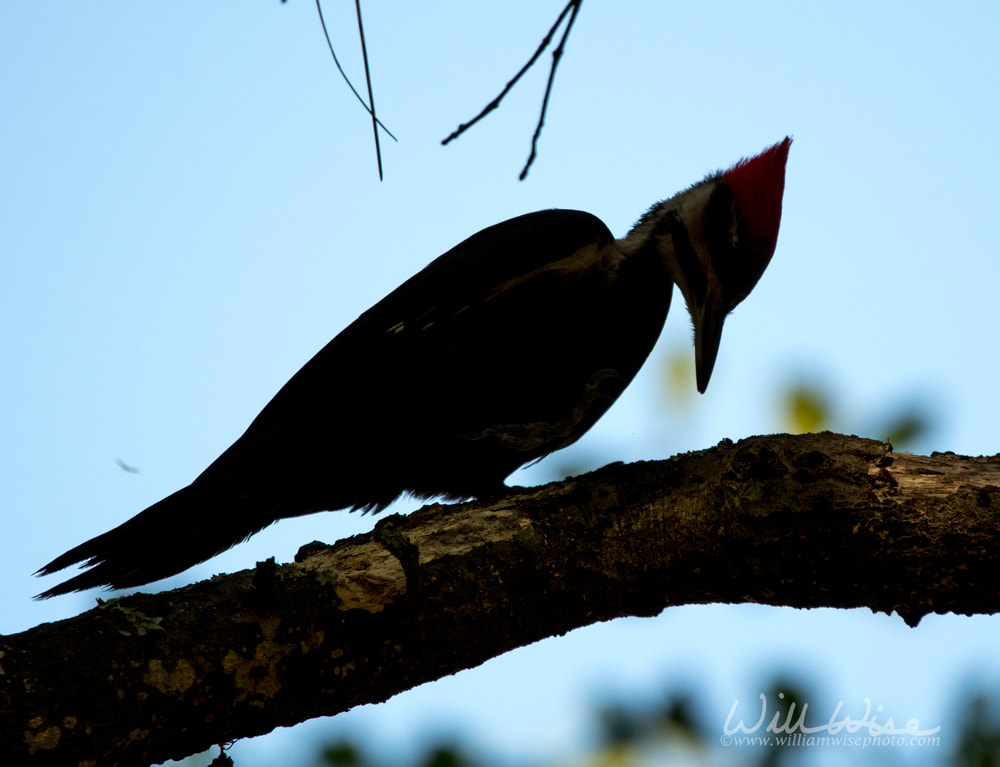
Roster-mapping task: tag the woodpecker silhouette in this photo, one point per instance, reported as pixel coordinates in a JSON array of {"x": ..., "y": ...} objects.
[{"x": 509, "y": 346}]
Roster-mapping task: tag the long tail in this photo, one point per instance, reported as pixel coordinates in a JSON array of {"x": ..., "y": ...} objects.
[{"x": 183, "y": 529}]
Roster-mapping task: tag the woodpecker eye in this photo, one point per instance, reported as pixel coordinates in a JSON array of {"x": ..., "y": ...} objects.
[
  {"x": 720, "y": 222},
  {"x": 692, "y": 279},
  {"x": 722, "y": 234},
  {"x": 734, "y": 252}
]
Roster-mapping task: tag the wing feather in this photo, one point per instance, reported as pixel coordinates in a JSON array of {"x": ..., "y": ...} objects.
[{"x": 388, "y": 362}]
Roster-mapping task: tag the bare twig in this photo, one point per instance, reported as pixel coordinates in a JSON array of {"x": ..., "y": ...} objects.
[
  {"x": 572, "y": 5},
  {"x": 371, "y": 97},
  {"x": 556, "y": 56},
  {"x": 343, "y": 74}
]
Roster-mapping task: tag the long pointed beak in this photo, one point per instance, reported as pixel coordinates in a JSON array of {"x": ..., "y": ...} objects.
[{"x": 707, "y": 335}]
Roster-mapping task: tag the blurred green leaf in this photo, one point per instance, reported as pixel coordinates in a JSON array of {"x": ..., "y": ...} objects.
[
  {"x": 679, "y": 714},
  {"x": 979, "y": 741},
  {"x": 445, "y": 756},
  {"x": 619, "y": 725},
  {"x": 678, "y": 376},
  {"x": 907, "y": 428},
  {"x": 805, "y": 408},
  {"x": 343, "y": 753}
]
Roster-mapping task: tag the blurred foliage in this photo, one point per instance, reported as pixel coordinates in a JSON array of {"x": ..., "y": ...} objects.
[
  {"x": 446, "y": 756},
  {"x": 620, "y": 726},
  {"x": 979, "y": 734},
  {"x": 809, "y": 407},
  {"x": 678, "y": 376},
  {"x": 342, "y": 754},
  {"x": 788, "y": 696},
  {"x": 907, "y": 427},
  {"x": 673, "y": 731},
  {"x": 805, "y": 408},
  {"x": 806, "y": 405}
]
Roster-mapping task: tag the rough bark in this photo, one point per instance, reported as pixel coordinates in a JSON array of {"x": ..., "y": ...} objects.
[{"x": 807, "y": 521}]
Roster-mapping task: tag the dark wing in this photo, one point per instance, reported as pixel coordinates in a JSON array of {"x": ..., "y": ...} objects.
[
  {"x": 427, "y": 367},
  {"x": 466, "y": 276}
]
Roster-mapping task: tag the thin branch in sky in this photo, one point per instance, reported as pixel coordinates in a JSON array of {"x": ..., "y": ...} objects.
[
  {"x": 572, "y": 5},
  {"x": 343, "y": 74},
  {"x": 371, "y": 97},
  {"x": 556, "y": 56}
]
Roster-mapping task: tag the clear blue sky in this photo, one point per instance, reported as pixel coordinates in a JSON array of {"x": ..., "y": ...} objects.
[{"x": 190, "y": 209}]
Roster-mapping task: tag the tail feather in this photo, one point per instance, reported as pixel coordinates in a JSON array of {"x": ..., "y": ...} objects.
[
  {"x": 181, "y": 530},
  {"x": 194, "y": 524}
]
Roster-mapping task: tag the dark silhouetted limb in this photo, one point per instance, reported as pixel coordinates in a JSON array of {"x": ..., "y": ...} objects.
[{"x": 816, "y": 520}]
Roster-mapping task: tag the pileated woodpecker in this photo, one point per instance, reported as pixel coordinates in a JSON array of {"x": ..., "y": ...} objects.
[{"x": 509, "y": 346}]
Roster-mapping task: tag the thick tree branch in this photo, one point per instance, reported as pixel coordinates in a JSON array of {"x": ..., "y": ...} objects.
[{"x": 807, "y": 521}]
